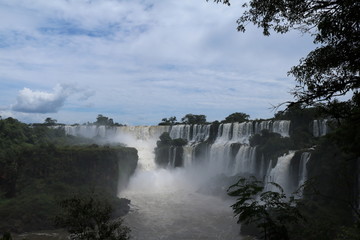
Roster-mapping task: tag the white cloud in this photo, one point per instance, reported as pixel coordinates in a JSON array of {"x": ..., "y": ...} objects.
[{"x": 29, "y": 101}]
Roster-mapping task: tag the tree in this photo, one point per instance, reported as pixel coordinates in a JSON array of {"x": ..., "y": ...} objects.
[
  {"x": 50, "y": 122},
  {"x": 89, "y": 218},
  {"x": 168, "y": 121},
  {"x": 193, "y": 119},
  {"x": 102, "y": 120},
  {"x": 332, "y": 69},
  {"x": 237, "y": 117},
  {"x": 271, "y": 212}
]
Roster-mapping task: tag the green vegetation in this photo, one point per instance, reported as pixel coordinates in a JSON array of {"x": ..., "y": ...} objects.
[
  {"x": 273, "y": 215},
  {"x": 168, "y": 121},
  {"x": 272, "y": 212},
  {"x": 106, "y": 121},
  {"x": 40, "y": 165},
  {"x": 50, "y": 122},
  {"x": 193, "y": 119},
  {"x": 236, "y": 117},
  {"x": 89, "y": 218}
]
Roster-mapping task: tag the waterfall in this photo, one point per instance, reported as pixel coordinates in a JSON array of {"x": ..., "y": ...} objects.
[
  {"x": 245, "y": 161},
  {"x": 242, "y": 132},
  {"x": 192, "y": 133},
  {"x": 163, "y": 197},
  {"x": 281, "y": 127},
  {"x": 228, "y": 154},
  {"x": 259, "y": 126},
  {"x": 280, "y": 174},
  {"x": 87, "y": 131},
  {"x": 320, "y": 127},
  {"x": 305, "y": 157}
]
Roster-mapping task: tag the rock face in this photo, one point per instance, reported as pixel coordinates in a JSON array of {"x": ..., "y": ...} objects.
[{"x": 45, "y": 175}]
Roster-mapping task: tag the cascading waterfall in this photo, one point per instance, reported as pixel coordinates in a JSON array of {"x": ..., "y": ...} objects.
[
  {"x": 305, "y": 157},
  {"x": 245, "y": 161},
  {"x": 280, "y": 174},
  {"x": 229, "y": 153},
  {"x": 87, "y": 131},
  {"x": 320, "y": 127},
  {"x": 166, "y": 202},
  {"x": 191, "y": 133},
  {"x": 281, "y": 127}
]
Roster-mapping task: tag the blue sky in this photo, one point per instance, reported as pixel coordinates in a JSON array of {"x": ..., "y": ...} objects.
[{"x": 139, "y": 61}]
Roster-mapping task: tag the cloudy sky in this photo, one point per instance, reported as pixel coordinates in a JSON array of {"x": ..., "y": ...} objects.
[{"x": 138, "y": 61}]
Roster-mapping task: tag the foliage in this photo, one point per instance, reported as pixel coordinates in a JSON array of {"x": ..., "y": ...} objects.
[
  {"x": 334, "y": 174},
  {"x": 236, "y": 117},
  {"x": 332, "y": 69},
  {"x": 193, "y": 119},
  {"x": 89, "y": 218},
  {"x": 45, "y": 173},
  {"x": 272, "y": 212},
  {"x": 50, "y": 122},
  {"x": 168, "y": 121},
  {"x": 102, "y": 120},
  {"x": 347, "y": 134},
  {"x": 37, "y": 165}
]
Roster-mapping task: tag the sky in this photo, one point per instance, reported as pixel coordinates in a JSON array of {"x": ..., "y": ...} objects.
[{"x": 139, "y": 61}]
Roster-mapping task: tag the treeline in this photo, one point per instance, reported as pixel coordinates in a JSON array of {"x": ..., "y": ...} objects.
[
  {"x": 201, "y": 119},
  {"x": 101, "y": 120},
  {"x": 319, "y": 111}
]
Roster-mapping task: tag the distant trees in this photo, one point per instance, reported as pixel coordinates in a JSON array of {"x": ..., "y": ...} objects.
[
  {"x": 193, "y": 119},
  {"x": 237, "y": 117},
  {"x": 201, "y": 119},
  {"x": 50, "y": 122},
  {"x": 168, "y": 121},
  {"x": 102, "y": 120}
]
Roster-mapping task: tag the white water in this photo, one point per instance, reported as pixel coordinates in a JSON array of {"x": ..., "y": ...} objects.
[
  {"x": 166, "y": 205},
  {"x": 280, "y": 174}
]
